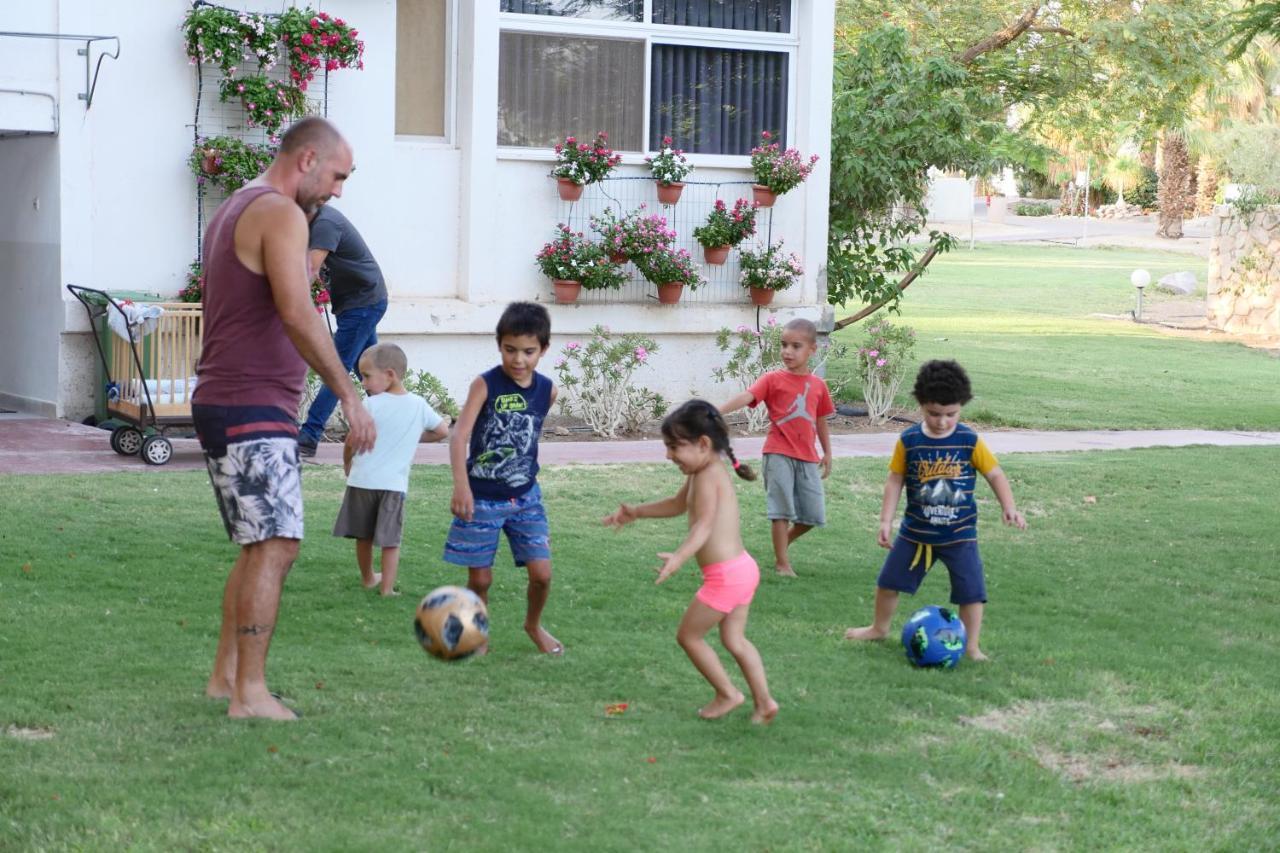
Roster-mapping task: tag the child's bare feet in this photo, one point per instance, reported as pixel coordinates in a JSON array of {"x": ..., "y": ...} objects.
[
  {"x": 785, "y": 570},
  {"x": 372, "y": 582},
  {"x": 546, "y": 643},
  {"x": 870, "y": 632},
  {"x": 720, "y": 706},
  {"x": 975, "y": 654},
  {"x": 763, "y": 716},
  {"x": 269, "y": 708},
  {"x": 390, "y": 592}
]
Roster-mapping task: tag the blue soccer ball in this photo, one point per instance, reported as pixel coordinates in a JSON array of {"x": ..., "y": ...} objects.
[{"x": 934, "y": 636}]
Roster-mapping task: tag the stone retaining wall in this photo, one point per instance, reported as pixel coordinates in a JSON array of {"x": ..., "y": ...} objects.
[{"x": 1244, "y": 272}]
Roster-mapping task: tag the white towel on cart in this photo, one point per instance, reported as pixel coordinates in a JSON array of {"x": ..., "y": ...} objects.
[
  {"x": 142, "y": 319},
  {"x": 162, "y": 390}
]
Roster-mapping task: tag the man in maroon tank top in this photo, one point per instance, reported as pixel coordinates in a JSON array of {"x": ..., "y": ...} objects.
[{"x": 260, "y": 333}]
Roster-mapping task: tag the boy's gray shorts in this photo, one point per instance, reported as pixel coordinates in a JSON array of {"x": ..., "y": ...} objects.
[
  {"x": 793, "y": 490},
  {"x": 374, "y": 514}
]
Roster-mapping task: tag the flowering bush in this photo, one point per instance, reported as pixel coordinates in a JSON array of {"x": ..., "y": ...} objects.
[
  {"x": 769, "y": 268},
  {"x": 583, "y": 163},
  {"x": 430, "y": 388},
  {"x": 317, "y": 39},
  {"x": 726, "y": 227},
  {"x": 193, "y": 291},
  {"x": 633, "y": 235},
  {"x": 881, "y": 363},
  {"x": 319, "y": 295},
  {"x": 571, "y": 257},
  {"x": 226, "y": 38},
  {"x": 780, "y": 171},
  {"x": 596, "y": 377},
  {"x": 420, "y": 382},
  {"x": 227, "y": 162},
  {"x": 669, "y": 266},
  {"x": 669, "y": 165}
]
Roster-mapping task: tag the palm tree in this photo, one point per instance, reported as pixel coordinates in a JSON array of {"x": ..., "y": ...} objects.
[
  {"x": 1120, "y": 170},
  {"x": 1175, "y": 178}
]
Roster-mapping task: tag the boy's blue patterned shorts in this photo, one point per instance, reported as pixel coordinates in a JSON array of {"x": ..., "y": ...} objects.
[
  {"x": 474, "y": 543},
  {"x": 908, "y": 561}
]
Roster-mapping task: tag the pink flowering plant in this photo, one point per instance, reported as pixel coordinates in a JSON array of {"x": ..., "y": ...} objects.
[
  {"x": 585, "y": 163},
  {"x": 768, "y": 268},
  {"x": 725, "y": 227},
  {"x": 267, "y": 103},
  {"x": 228, "y": 163},
  {"x": 779, "y": 170},
  {"x": 193, "y": 290},
  {"x": 669, "y": 266},
  {"x": 315, "y": 40},
  {"x": 881, "y": 362},
  {"x": 669, "y": 165},
  {"x": 596, "y": 381},
  {"x": 572, "y": 257},
  {"x": 229, "y": 39},
  {"x": 635, "y": 235}
]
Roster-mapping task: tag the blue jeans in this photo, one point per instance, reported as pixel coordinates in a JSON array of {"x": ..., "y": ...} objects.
[{"x": 357, "y": 331}]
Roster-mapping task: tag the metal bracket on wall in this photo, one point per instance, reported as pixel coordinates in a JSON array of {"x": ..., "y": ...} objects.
[{"x": 90, "y": 84}]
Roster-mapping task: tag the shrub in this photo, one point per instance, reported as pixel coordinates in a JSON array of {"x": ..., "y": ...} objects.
[
  {"x": 1036, "y": 208},
  {"x": 431, "y": 389},
  {"x": 596, "y": 378},
  {"x": 881, "y": 363}
]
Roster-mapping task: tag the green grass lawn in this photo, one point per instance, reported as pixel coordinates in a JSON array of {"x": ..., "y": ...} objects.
[
  {"x": 1018, "y": 318},
  {"x": 1131, "y": 705}
]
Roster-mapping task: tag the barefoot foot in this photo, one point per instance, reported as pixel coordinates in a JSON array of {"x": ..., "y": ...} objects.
[
  {"x": 371, "y": 583},
  {"x": 269, "y": 708},
  {"x": 720, "y": 706},
  {"x": 546, "y": 643},
  {"x": 870, "y": 632},
  {"x": 976, "y": 654},
  {"x": 390, "y": 592},
  {"x": 785, "y": 570},
  {"x": 218, "y": 688},
  {"x": 764, "y": 714}
]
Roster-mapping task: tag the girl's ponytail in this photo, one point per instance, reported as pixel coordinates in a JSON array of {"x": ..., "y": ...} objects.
[{"x": 742, "y": 469}]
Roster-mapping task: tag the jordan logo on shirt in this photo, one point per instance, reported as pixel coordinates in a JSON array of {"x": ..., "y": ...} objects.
[{"x": 799, "y": 409}]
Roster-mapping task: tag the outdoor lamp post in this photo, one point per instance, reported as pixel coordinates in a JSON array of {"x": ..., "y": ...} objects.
[{"x": 1139, "y": 279}]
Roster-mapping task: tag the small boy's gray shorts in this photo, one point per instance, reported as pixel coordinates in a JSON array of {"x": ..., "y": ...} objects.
[{"x": 793, "y": 490}]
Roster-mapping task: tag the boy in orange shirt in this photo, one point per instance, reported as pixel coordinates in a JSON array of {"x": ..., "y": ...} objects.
[{"x": 799, "y": 404}]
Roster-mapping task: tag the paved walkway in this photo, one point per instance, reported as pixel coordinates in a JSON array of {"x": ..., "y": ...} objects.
[
  {"x": 1137, "y": 232},
  {"x": 30, "y": 445}
]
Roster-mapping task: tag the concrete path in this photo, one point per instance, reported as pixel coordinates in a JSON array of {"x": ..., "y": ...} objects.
[
  {"x": 30, "y": 445},
  {"x": 1137, "y": 232}
]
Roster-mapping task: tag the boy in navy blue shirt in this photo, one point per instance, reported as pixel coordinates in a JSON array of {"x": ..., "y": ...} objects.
[
  {"x": 494, "y": 454},
  {"x": 937, "y": 461}
]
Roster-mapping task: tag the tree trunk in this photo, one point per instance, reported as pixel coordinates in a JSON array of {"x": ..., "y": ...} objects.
[
  {"x": 1174, "y": 179},
  {"x": 1193, "y": 187},
  {"x": 1208, "y": 187},
  {"x": 1147, "y": 156}
]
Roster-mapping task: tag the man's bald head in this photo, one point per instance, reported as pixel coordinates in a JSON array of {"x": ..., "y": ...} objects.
[{"x": 311, "y": 132}]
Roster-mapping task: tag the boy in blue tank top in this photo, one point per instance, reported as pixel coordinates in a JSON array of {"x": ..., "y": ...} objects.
[
  {"x": 938, "y": 461},
  {"x": 494, "y": 454}
]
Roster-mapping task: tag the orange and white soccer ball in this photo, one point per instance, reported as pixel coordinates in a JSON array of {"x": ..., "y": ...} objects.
[{"x": 452, "y": 623}]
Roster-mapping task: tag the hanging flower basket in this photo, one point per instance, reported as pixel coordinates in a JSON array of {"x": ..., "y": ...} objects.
[
  {"x": 669, "y": 193},
  {"x": 763, "y": 196},
  {"x": 669, "y": 293},
  {"x": 567, "y": 291},
  {"x": 761, "y": 295},
  {"x": 569, "y": 190},
  {"x": 716, "y": 255}
]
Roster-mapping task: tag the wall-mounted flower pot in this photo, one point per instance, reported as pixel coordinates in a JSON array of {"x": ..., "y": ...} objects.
[
  {"x": 669, "y": 193},
  {"x": 716, "y": 255},
  {"x": 566, "y": 291},
  {"x": 669, "y": 293},
  {"x": 761, "y": 295},
  {"x": 569, "y": 191},
  {"x": 763, "y": 196}
]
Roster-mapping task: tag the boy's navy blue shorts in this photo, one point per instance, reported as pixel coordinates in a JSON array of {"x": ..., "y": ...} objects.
[{"x": 908, "y": 562}]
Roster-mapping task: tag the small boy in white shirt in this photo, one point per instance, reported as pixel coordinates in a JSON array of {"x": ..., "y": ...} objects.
[{"x": 372, "y": 510}]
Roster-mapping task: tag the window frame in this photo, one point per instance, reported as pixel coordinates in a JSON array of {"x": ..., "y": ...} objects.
[
  {"x": 449, "y": 140},
  {"x": 667, "y": 34}
]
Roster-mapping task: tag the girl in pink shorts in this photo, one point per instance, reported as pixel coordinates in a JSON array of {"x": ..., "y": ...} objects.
[{"x": 696, "y": 436}]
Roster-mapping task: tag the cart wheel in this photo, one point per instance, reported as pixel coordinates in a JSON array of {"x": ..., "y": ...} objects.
[
  {"x": 156, "y": 450},
  {"x": 126, "y": 440}
]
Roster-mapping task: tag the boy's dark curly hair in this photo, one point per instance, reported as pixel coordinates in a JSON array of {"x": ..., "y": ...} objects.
[
  {"x": 525, "y": 318},
  {"x": 942, "y": 382}
]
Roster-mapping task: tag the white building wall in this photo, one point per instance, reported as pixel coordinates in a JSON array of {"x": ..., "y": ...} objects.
[{"x": 454, "y": 225}]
